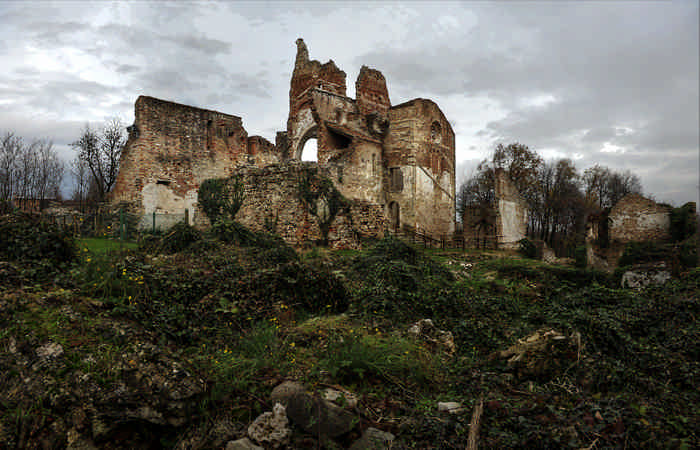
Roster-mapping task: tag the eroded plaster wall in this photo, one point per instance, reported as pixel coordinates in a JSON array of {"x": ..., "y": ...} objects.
[{"x": 511, "y": 214}]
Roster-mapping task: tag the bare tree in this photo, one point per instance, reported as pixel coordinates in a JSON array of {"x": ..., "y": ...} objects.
[
  {"x": 604, "y": 187},
  {"x": 29, "y": 174},
  {"x": 101, "y": 150},
  {"x": 49, "y": 170},
  {"x": 81, "y": 182},
  {"x": 10, "y": 149}
]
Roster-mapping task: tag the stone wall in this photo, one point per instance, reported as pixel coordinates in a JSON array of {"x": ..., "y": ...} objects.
[
  {"x": 635, "y": 219},
  {"x": 400, "y": 159},
  {"x": 272, "y": 195},
  {"x": 419, "y": 163},
  {"x": 171, "y": 149},
  {"x": 511, "y": 214},
  {"x": 371, "y": 92}
]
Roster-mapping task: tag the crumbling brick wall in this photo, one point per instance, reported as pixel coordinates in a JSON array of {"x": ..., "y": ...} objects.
[
  {"x": 171, "y": 149},
  {"x": 400, "y": 159},
  {"x": 419, "y": 163},
  {"x": 371, "y": 92},
  {"x": 635, "y": 219},
  {"x": 632, "y": 219},
  {"x": 272, "y": 196}
]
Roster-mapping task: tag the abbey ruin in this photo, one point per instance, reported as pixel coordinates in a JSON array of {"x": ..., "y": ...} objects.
[{"x": 394, "y": 165}]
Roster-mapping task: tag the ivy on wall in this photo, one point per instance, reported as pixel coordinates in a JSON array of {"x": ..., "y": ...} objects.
[
  {"x": 321, "y": 198},
  {"x": 221, "y": 198}
]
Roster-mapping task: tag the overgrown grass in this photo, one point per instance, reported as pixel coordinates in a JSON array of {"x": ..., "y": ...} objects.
[
  {"x": 100, "y": 246},
  {"x": 246, "y": 317}
]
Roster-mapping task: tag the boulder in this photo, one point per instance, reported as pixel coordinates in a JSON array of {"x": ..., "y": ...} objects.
[
  {"x": 643, "y": 275},
  {"x": 271, "y": 429},
  {"x": 340, "y": 397},
  {"x": 426, "y": 331},
  {"x": 450, "y": 407},
  {"x": 313, "y": 413},
  {"x": 373, "y": 439},
  {"x": 545, "y": 352},
  {"x": 242, "y": 444}
]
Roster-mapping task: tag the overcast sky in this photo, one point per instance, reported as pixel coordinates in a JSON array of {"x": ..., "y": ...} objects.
[{"x": 613, "y": 83}]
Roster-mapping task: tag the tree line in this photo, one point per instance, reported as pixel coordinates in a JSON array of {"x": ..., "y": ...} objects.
[
  {"x": 31, "y": 173},
  {"x": 558, "y": 196}
]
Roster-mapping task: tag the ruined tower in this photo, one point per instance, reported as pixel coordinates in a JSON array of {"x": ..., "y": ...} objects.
[{"x": 395, "y": 163}]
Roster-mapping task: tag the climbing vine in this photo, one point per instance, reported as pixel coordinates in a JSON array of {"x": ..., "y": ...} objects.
[
  {"x": 322, "y": 200},
  {"x": 221, "y": 198}
]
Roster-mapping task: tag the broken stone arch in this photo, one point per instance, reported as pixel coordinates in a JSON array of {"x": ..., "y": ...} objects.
[{"x": 311, "y": 133}]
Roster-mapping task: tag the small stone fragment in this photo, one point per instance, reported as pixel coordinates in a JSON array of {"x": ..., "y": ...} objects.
[
  {"x": 242, "y": 444},
  {"x": 373, "y": 439},
  {"x": 49, "y": 351},
  {"x": 450, "y": 407},
  {"x": 271, "y": 429}
]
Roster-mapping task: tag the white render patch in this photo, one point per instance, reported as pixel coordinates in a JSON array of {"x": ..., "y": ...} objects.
[
  {"x": 512, "y": 223},
  {"x": 160, "y": 199}
]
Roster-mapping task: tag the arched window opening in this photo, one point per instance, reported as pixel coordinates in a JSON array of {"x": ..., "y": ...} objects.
[{"x": 310, "y": 150}]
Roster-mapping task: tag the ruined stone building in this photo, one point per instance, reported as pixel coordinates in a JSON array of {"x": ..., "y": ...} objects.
[
  {"x": 395, "y": 164},
  {"x": 632, "y": 219},
  {"x": 501, "y": 224}
]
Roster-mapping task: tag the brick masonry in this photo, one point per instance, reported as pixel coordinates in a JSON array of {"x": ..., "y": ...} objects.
[
  {"x": 399, "y": 160},
  {"x": 272, "y": 196},
  {"x": 633, "y": 219}
]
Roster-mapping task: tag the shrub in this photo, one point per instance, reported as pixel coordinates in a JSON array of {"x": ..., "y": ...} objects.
[
  {"x": 643, "y": 252},
  {"x": 527, "y": 248},
  {"x": 221, "y": 197},
  {"x": 683, "y": 222},
  {"x": 688, "y": 252},
  {"x": 396, "y": 280},
  {"x": 228, "y": 230},
  {"x": 29, "y": 238},
  {"x": 180, "y": 237}
]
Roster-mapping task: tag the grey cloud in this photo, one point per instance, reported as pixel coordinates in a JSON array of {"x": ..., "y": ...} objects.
[
  {"x": 204, "y": 45},
  {"x": 57, "y": 131},
  {"x": 27, "y": 71},
  {"x": 169, "y": 79},
  {"x": 600, "y": 134},
  {"x": 126, "y": 69},
  {"x": 264, "y": 11}
]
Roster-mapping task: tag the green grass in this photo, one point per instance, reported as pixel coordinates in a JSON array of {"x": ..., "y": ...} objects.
[{"x": 100, "y": 246}]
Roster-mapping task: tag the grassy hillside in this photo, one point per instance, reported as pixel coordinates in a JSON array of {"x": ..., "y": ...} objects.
[{"x": 178, "y": 344}]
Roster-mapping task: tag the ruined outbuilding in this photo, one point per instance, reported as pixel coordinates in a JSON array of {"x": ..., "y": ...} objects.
[
  {"x": 501, "y": 224},
  {"x": 399, "y": 160},
  {"x": 632, "y": 219}
]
